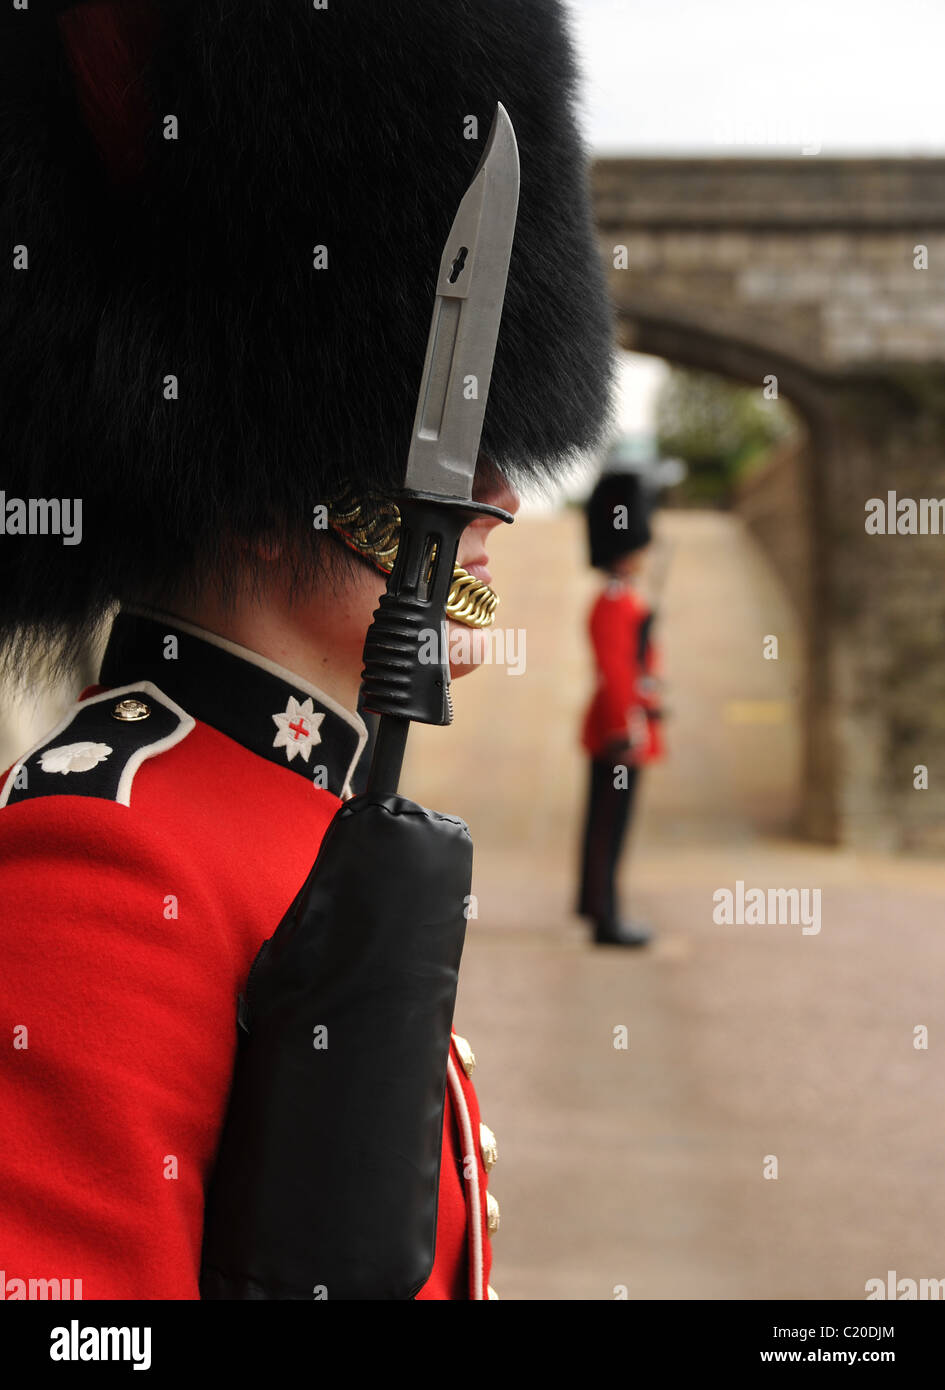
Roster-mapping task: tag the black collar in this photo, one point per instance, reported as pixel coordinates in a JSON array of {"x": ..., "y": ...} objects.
[{"x": 267, "y": 709}]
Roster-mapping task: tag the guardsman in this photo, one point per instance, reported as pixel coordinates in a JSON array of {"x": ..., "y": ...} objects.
[
  {"x": 621, "y": 730},
  {"x": 226, "y": 223}
]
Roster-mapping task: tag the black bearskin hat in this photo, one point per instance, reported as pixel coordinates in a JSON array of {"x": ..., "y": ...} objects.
[
  {"x": 618, "y": 518},
  {"x": 226, "y": 219}
]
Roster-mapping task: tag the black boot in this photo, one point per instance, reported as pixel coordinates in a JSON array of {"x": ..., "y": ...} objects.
[{"x": 616, "y": 933}]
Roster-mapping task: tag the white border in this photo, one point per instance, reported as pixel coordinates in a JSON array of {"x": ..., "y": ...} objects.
[
  {"x": 469, "y": 1147},
  {"x": 123, "y": 797}
]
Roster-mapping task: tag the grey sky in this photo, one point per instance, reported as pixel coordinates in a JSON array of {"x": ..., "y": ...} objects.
[{"x": 750, "y": 77}]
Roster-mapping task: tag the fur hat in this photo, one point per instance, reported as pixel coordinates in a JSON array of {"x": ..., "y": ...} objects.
[
  {"x": 227, "y": 221},
  {"x": 618, "y": 518}
]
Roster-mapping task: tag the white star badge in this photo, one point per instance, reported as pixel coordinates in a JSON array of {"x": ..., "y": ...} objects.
[
  {"x": 74, "y": 757},
  {"x": 298, "y": 728}
]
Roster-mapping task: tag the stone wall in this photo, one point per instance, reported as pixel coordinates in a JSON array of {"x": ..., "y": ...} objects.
[
  {"x": 772, "y": 501},
  {"x": 777, "y": 502},
  {"x": 884, "y": 613},
  {"x": 873, "y": 612}
]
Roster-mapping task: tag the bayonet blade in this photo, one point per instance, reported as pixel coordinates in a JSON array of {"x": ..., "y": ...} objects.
[{"x": 469, "y": 294}]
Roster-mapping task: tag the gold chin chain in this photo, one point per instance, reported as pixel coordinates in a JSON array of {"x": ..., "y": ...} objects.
[
  {"x": 374, "y": 532},
  {"x": 471, "y": 601}
]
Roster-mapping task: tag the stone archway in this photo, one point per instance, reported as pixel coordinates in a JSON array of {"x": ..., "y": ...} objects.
[{"x": 808, "y": 270}]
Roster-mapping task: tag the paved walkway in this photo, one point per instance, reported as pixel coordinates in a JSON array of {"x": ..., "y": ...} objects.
[{"x": 643, "y": 1167}]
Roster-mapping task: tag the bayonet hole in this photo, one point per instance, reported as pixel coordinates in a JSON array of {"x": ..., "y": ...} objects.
[
  {"x": 457, "y": 266},
  {"x": 427, "y": 569}
]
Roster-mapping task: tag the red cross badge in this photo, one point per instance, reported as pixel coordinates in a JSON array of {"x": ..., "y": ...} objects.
[{"x": 297, "y": 728}]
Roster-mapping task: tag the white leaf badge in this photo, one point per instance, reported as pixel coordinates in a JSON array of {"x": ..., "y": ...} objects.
[{"x": 74, "y": 757}]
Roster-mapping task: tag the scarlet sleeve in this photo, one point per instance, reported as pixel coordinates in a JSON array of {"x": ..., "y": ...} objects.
[{"x": 116, "y": 1023}]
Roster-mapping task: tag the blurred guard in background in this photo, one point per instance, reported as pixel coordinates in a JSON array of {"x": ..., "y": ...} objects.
[{"x": 622, "y": 725}]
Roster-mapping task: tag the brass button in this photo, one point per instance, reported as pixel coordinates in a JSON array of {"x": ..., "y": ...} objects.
[
  {"x": 492, "y": 1294},
  {"x": 492, "y": 1214},
  {"x": 466, "y": 1054},
  {"x": 131, "y": 710},
  {"x": 489, "y": 1148}
]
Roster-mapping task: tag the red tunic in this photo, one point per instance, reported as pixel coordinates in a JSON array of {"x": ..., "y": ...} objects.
[
  {"x": 128, "y": 931},
  {"x": 625, "y": 705}
]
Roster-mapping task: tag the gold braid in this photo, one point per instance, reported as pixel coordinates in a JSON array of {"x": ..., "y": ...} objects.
[{"x": 371, "y": 527}]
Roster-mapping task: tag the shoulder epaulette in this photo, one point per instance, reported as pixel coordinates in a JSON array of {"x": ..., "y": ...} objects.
[{"x": 97, "y": 749}]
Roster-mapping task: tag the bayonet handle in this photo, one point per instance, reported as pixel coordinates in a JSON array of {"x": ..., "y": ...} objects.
[{"x": 406, "y": 662}]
